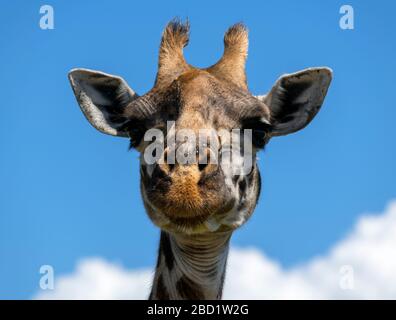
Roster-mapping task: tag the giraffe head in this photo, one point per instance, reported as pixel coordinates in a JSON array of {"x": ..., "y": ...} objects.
[{"x": 193, "y": 119}]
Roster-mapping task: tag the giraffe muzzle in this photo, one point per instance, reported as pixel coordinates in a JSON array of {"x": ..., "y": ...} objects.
[{"x": 187, "y": 190}]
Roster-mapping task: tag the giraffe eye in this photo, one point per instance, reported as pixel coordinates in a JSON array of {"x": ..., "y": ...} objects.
[
  {"x": 136, "y": 136},
  {"x": 259, "y": 138},
  {"x": 260, "y": 130},
  {"x": 136, "y": 131}
]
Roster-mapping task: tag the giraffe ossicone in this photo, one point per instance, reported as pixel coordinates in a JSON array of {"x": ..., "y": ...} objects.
[{"x": 197, "y": 203}]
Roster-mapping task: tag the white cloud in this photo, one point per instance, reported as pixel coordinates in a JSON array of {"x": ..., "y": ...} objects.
[
  {"x": 369, "y": 250},
  {"x": 95, "y": 278}
]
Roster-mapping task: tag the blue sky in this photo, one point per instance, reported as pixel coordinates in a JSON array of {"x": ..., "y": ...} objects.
[{"x": 68, "y": 192}]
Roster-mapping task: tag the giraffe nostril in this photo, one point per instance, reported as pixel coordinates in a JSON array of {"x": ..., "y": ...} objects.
[{"x": 208, "y": 161}]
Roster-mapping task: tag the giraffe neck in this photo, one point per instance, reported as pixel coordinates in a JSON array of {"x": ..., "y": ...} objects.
[{"x": 190, "y": 266}]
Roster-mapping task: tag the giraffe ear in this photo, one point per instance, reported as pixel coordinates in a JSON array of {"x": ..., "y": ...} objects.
[
  {"x": 296, "y": 98},
  {"x": 103, "y": 99}
]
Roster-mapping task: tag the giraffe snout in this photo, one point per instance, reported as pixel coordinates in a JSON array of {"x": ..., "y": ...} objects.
[{"x": 187, "y": 188}]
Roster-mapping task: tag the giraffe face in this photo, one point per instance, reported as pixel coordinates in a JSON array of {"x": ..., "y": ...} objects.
[
  {"x": 196, "y": 175},
  {"x": 204, "y": 176}
]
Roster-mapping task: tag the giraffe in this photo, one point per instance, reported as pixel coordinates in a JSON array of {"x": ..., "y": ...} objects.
[{"x": 198, "y": 206}]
